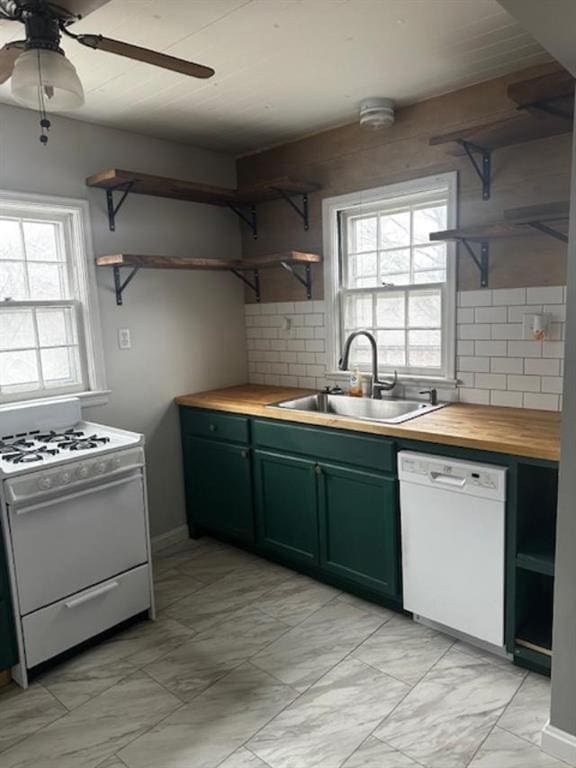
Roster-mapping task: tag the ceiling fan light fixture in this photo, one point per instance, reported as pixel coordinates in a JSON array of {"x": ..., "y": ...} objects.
[{"x": 46, "y": 77}]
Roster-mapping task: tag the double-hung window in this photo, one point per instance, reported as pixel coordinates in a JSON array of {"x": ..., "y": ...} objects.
[
  {"x": 384, "y": 275},
  {"x": 49, "y": 335}
]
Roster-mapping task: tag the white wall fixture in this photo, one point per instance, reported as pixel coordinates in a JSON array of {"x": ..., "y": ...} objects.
[{"x": 376, "y": 114}]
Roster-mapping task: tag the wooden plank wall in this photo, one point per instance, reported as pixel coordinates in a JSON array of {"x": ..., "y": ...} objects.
[{"x": 347, "y": 159}]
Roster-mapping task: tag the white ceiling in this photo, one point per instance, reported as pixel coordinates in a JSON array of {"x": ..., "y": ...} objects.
[{"x": 284, "y": 68}]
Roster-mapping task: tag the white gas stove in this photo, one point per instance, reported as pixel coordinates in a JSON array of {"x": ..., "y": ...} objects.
[{"x": 74, "y": 511}]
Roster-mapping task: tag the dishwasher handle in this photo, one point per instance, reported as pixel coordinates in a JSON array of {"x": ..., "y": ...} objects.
[{"x": 441, "y": 478}]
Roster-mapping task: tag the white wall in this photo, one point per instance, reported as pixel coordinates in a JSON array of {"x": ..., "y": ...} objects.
[{"x": 187, "y": 327}]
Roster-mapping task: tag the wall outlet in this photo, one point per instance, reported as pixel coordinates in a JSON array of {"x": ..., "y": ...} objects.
[{"x": 124, "y": 340}]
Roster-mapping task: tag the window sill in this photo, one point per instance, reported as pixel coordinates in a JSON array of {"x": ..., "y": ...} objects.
[{"x": 87, "y": 399}]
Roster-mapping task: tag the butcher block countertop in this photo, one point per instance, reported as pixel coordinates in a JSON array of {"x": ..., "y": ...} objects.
[{"x": 514, "y": 431}]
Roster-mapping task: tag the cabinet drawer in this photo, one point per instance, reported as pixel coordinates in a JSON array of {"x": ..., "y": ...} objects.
[
  {"x": 217, "y": 426},
  {"x": 57, "y": 627},
  {"x": 323, "y": 443}
]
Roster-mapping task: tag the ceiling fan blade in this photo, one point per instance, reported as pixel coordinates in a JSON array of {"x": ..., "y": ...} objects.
[
  {"x": 146, "y": 55},
  {"x": 8, "y": 55},
  {"x": 80, "y": 7}
]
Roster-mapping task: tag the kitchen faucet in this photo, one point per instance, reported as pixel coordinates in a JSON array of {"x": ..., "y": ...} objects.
[{"x": 377, "y": 386}]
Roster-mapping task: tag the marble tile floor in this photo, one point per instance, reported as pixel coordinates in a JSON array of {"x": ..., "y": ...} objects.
[{"x": 251, "y": 665}]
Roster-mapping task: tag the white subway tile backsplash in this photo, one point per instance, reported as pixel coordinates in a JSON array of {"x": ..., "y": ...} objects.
[
  {"x": 464, "y": 315},
  {"x": 478, "y": 396},
  {"x": 553, "y": 348},
  {"x": 507, "y": 365},
  {"x": 525, "y": 348},
  {"x": 466, "y": 379},
  {"x": 541, "y": 402},
  {"x": 490, "y": 381},
  {"x": 474, "y": 331},
  {"x": 491, "y": 348},
  {"x": 524, "y": 383},
  {"x": 491, "y": 315},
  {"x": 464, "y": 347},
  {"x": 507, "y": 399},
  {"x": 552, "y": 384},
  {"x": 516, "y": 314},
  {"x": 473, "y": 364},
  {"x": 507, "y": 296},
  {"x": 543, "y": 366},
  {"x": 546, "y": 295},
  {"x": 496, "y": 364},
  {"x": 507, "y": 331},
  {"x": 475, "y": 298}
]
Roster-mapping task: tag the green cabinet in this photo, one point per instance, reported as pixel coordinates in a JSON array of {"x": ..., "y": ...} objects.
[
  {"x": 322, "y": 500},
  {"x": 359, "y": 527},
  {"x": 218, "y": 487},
  {"x": 8, "y": 651},
  {"x": 286, "y": 506}
]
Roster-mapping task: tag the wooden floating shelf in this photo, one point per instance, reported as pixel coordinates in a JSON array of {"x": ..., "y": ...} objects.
[
  {"x": 545, "y": 108},
  {"x": 518, "y": 129},
  {"x": 289, "y": 261},
  {"x": 238, "y": 200},
  {"x": 178, "y": 189},
  {"x": 481, "y": 232},
  {"x": 548, "y": 219}
]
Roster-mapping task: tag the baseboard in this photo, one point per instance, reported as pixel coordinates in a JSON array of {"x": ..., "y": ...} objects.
[
  {"x": 5, "y": 677},
  {"x": 559, "y": 743},
  {"x": 169, "y": 538}
]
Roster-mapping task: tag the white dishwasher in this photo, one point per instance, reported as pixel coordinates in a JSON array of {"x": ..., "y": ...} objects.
[{"x": 453, "y": 538}]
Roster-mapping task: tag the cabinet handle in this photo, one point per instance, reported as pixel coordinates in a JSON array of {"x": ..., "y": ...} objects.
[
  {"x": 318, "y": 469},
  {"x": 244, "y": 454},
  {"x": 212, "y": 427}
]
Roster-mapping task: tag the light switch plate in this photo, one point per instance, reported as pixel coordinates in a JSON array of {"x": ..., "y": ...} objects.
[{"x": 124, "y": 339}]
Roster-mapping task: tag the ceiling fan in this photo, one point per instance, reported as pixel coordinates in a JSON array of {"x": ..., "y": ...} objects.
[{"x": 42, "y": 76}]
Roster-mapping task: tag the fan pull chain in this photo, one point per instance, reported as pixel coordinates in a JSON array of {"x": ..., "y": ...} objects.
[{"x": 44, "y": 121}]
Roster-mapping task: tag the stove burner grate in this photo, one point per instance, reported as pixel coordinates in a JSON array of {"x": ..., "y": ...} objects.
[
  {"x": 57, "y": 437},
  {"x": 26, "y": 455},
  {"x": 83, "y": 443}
]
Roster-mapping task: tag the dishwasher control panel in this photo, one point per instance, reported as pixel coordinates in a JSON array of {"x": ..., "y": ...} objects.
[{"x": 452, "y": 474}]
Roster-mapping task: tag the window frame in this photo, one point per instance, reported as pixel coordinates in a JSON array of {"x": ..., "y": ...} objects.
[
  {"x": 356, "y": 202},
  {"x": 74, "y": 215}
]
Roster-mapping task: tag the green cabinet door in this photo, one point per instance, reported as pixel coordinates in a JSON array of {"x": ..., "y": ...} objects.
[
  {"x": 286, "y": 506},
  {"x": 8, "y": 652},
  {"x": 218, "y": 487},
  {"x": 359, "y": 533}
]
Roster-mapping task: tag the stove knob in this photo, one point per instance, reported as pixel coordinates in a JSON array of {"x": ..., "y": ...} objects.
[
  {"x": 82, "y": 472},
  {"x": 64, "y": 478},
  {"x": 100, "y": 467},
  {"x": 44, "y": 483}
]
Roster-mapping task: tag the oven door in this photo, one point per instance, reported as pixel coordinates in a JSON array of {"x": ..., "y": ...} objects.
[{"x": 64, "y": 544}]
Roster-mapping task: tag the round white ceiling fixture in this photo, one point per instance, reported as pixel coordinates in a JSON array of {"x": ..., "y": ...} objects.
[{"x": 376, "y": 114}]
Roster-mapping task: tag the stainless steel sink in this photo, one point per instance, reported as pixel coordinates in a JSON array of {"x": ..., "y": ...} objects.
[{"x": 364, "y": 409}]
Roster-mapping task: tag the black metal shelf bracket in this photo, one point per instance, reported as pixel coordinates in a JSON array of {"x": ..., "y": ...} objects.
[
  {"x": 250, "y": 219},
  {"x": 119, "y": 286},
  {"x": 306, "y": 281},
  {"x": 549, "y": 231},
  {"x": 301, "y": 211},
  {"x": 482, "y": 168},
  {"x": 482, "y": 261},
  {"x": 253, "y": 284},
  {"x": 125, "y": 187}
]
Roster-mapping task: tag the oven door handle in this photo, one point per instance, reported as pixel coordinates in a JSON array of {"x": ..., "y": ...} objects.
[
  {"x": 75, "y": 602},
  {"x": 71, "y": 496}
]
